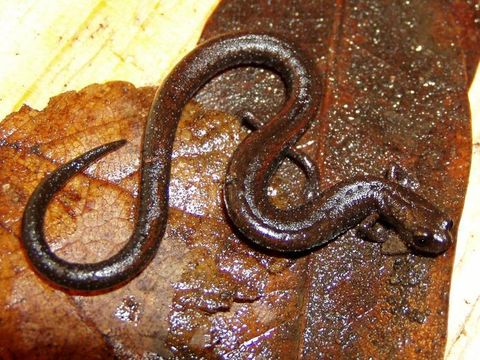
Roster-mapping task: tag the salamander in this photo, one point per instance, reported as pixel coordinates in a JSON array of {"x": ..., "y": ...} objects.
[{"x": 321, "y": 218}]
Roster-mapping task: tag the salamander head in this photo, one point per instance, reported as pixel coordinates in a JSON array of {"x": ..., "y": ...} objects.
[
  {"x": 434, "y": 239},
  {"x": 419, "y": 223}
]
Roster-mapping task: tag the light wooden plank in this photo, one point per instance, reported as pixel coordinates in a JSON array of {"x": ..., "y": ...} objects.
[
  {"x": 464, "y": 314},
  {"x": 49, "y": 46}
]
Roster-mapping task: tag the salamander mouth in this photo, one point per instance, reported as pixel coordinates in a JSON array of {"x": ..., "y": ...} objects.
[
  {"x": 434, "y": 244},
  {"x": 442, "y": 242}
]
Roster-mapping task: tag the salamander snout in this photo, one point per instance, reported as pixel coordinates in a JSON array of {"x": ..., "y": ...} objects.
[{"x": 435, "y": 240}]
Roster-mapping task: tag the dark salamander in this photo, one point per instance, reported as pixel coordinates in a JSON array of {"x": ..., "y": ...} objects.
[{"x": 323, "y": 216}]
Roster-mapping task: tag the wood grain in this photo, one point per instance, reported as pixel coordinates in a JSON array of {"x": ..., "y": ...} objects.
[
  {"x": 55, "y": 46},
  {"x": 464, "y": 314}
]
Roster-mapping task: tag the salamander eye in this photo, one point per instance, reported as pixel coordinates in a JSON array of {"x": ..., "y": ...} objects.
[
  {"x": 422, "y": 238},
  {"x": 448, "y": 224}
]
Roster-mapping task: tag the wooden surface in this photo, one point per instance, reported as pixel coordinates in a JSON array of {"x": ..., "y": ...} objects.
[
  {"x": 60, "y": 45},
  {"x": 464, "y": 314},
  {"x": 55, "y": 46}
]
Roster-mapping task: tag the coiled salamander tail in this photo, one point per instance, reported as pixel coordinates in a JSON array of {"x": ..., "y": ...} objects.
[
  {"x": 198, "y": 67},
  {"x": 322, "y": 217}
]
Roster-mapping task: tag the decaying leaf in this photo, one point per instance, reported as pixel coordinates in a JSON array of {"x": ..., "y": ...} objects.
[
  {"x": 396, "y": 76},
  {"x": 202, "y": 268}
]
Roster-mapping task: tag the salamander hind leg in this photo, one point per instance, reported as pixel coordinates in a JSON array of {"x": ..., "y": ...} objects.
[{"x": 302, "y": 160}]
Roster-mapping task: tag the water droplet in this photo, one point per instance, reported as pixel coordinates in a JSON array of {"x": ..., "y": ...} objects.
[{"x": 128, "y": 310}]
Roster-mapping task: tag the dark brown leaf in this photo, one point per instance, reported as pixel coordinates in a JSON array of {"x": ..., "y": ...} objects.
[{"x": 396, "y": 76}]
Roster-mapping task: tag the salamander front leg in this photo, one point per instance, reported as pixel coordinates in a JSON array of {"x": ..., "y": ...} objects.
[
  {"x": 399, "y": 174},
  {"x": 370, "y": 230}
]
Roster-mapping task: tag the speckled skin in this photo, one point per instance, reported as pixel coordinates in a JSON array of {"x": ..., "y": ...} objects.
[{"x": 324, "y": 215}]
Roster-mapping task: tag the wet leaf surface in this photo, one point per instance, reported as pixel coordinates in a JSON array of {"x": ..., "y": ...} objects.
[
  {"x": 396, "y": 76},
  {"x": 204, "y": 279}
]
